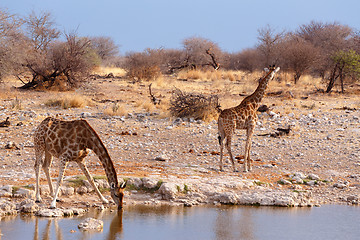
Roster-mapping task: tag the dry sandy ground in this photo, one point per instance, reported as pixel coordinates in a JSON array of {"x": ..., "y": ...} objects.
[{"x": 324, "y": 139}]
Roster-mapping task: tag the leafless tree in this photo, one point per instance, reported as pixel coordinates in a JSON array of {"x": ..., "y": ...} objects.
[
  {"x": 144, "y": 65},
  {"x": 268, "y": 44},
  {"x": 41, "y": 29},
  {"x": 12, "y": 47},
  {"x": 67, "y": 62},
  {"x": 200, "y": 52},
  {"x": 297, "y": 55},
  {"x": 246, "y": 60},
  {"x": 105, "y": 48}
]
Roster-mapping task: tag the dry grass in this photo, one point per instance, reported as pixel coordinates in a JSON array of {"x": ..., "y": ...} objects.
[
  {"x": 69, "y": 101},
  {"x": 103, "y": 71},
  {"x": 209, "y": 75},
  {"x": 116, "y": 109}
]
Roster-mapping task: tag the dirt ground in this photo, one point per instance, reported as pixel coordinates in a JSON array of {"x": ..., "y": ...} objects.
[{"x": 324, "y": 138}]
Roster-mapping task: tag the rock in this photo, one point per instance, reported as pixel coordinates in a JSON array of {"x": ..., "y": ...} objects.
[
  {"x": 50, "y": 213},
  {"x": 313, "y": 177},
  {"x": 149, "y": 183},
  {"x": 340, "y": 185},
  {"x": 68, "y": 212},
  {"x": 284, "y": 182},
  {"x": 82, "y": 190},
  {"x": 136, "y": 182},
  {"x": 227, "y": 198},
  {"x": 103, "y": 183},
  {"x": 352, "y": 198},
  {"x": 22, "y": 192},
  {"x": 7, "y": 188},
  {"x": 4, "y": 193},
  {"x": 299, "y": 175},
  {"x": 78, "y": 211},
  {"x": 91, "y": 224},
  {"x": 168, "y": 190},
  {"x": 67, "y": 191},
  {"x": 7, "y": 207},
  {"x": 28, "y": 206},
  {"x": 311, "y": 183},
  {"x": 85, "y": 114},
  {"x": 162, "y": 158},
  {"x": 297, "y": 180}
]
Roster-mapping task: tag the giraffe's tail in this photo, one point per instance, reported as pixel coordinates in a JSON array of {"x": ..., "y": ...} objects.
[{"x": 221, "y": 133}]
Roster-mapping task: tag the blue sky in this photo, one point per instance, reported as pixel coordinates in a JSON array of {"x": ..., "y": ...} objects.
[{"x": 135, "y": 25}]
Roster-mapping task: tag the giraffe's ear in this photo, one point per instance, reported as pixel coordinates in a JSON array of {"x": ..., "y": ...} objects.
[
  {"x": 112, "y": 185},
  {"x": 123, "y": 185},
  {"x": 277, "y": 69},
  {"x": 266, "y": 70}
]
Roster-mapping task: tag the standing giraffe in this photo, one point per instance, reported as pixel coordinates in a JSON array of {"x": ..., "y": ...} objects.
[
  {"x": 71, "y": 141},
  {"x": 243, "y": 116}
]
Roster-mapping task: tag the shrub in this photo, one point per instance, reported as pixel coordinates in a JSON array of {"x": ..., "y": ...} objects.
[
  {"x": 74, "y": 101},
  {"x": 144, "y": 65},
  {"x": 195, "y": 106}
]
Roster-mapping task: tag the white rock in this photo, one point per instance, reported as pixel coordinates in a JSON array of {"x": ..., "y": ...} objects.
[
  {"x": 91, "y": 224},
  {"x": 168, "y": 190},
  {"x": 149, "y": 183},
  {"x": 50, "y": 213},
  {"x": 313, "y": 177}
]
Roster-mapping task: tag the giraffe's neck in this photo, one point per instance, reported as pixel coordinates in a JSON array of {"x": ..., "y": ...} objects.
[
  {"x": 100, "y": 150},
  {"x": 258, "y": 95}
]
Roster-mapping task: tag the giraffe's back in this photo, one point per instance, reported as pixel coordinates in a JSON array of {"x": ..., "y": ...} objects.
[{"x": 57, "y": 136}]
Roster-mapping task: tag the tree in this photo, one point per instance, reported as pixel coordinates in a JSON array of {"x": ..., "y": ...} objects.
[
  {"x": 297, "y": 55},
  {"x": 328, "y": 38},
  {"x": 105, "y": 48},
  {"x": 247, "y": 60},
  {"x": 347, "y": 63},
  {"x": 268, "y": 45},
  {"x": 144, "y": 65},
  {"x": 41, "y": 29},
  {"x": 68, "y": 62},
  {"x": 200, "y": 52},
  {"x": 12, "y": 44}
]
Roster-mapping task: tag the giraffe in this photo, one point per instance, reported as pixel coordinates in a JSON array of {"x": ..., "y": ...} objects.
[
  {"x": 71, "y": 141},
  {"x": 243, "y": 116}
]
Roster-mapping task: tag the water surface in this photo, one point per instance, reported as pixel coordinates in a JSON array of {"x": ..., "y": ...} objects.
[{"x": 225, "y": 222}]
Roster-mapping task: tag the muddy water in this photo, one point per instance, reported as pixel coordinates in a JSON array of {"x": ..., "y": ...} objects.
[{"x": 143, "y": 222}]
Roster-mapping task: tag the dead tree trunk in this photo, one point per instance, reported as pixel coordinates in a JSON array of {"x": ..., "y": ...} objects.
[
  {"x": 214, "y": 63},
  {"x": 153, "y": 99}
]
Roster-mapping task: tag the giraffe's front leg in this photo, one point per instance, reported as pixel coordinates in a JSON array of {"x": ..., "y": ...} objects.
[
  {"x": 91, "y": 181},
  {"x": 63, "y": 165}
]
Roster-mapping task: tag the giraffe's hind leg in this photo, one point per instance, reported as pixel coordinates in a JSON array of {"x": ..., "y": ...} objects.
[
  {"x": 38, "y": 161},
  {"x": 46, "y": 166},
  {"x": 228, "y": 147}
]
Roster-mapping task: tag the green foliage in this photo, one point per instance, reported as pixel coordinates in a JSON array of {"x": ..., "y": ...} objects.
[{"x": 349, "y": 61}]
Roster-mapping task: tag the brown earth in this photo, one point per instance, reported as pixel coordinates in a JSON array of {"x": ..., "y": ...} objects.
[{"x": 324, "y": 139}]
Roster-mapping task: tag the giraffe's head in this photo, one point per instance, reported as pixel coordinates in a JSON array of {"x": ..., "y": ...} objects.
[
  {"x": 117, "y": 193},
  {"x": 272, "y": 70}
]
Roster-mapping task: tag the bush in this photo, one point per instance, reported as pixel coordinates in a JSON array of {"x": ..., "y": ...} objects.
[
  {"x": 197, "y": 106},
  {"x": 144, "y": 65}
]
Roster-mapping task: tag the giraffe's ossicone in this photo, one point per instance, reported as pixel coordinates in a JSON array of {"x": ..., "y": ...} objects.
[
  {"x": 243, "y": 116},
  {"x": 71, "y": 141}
]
